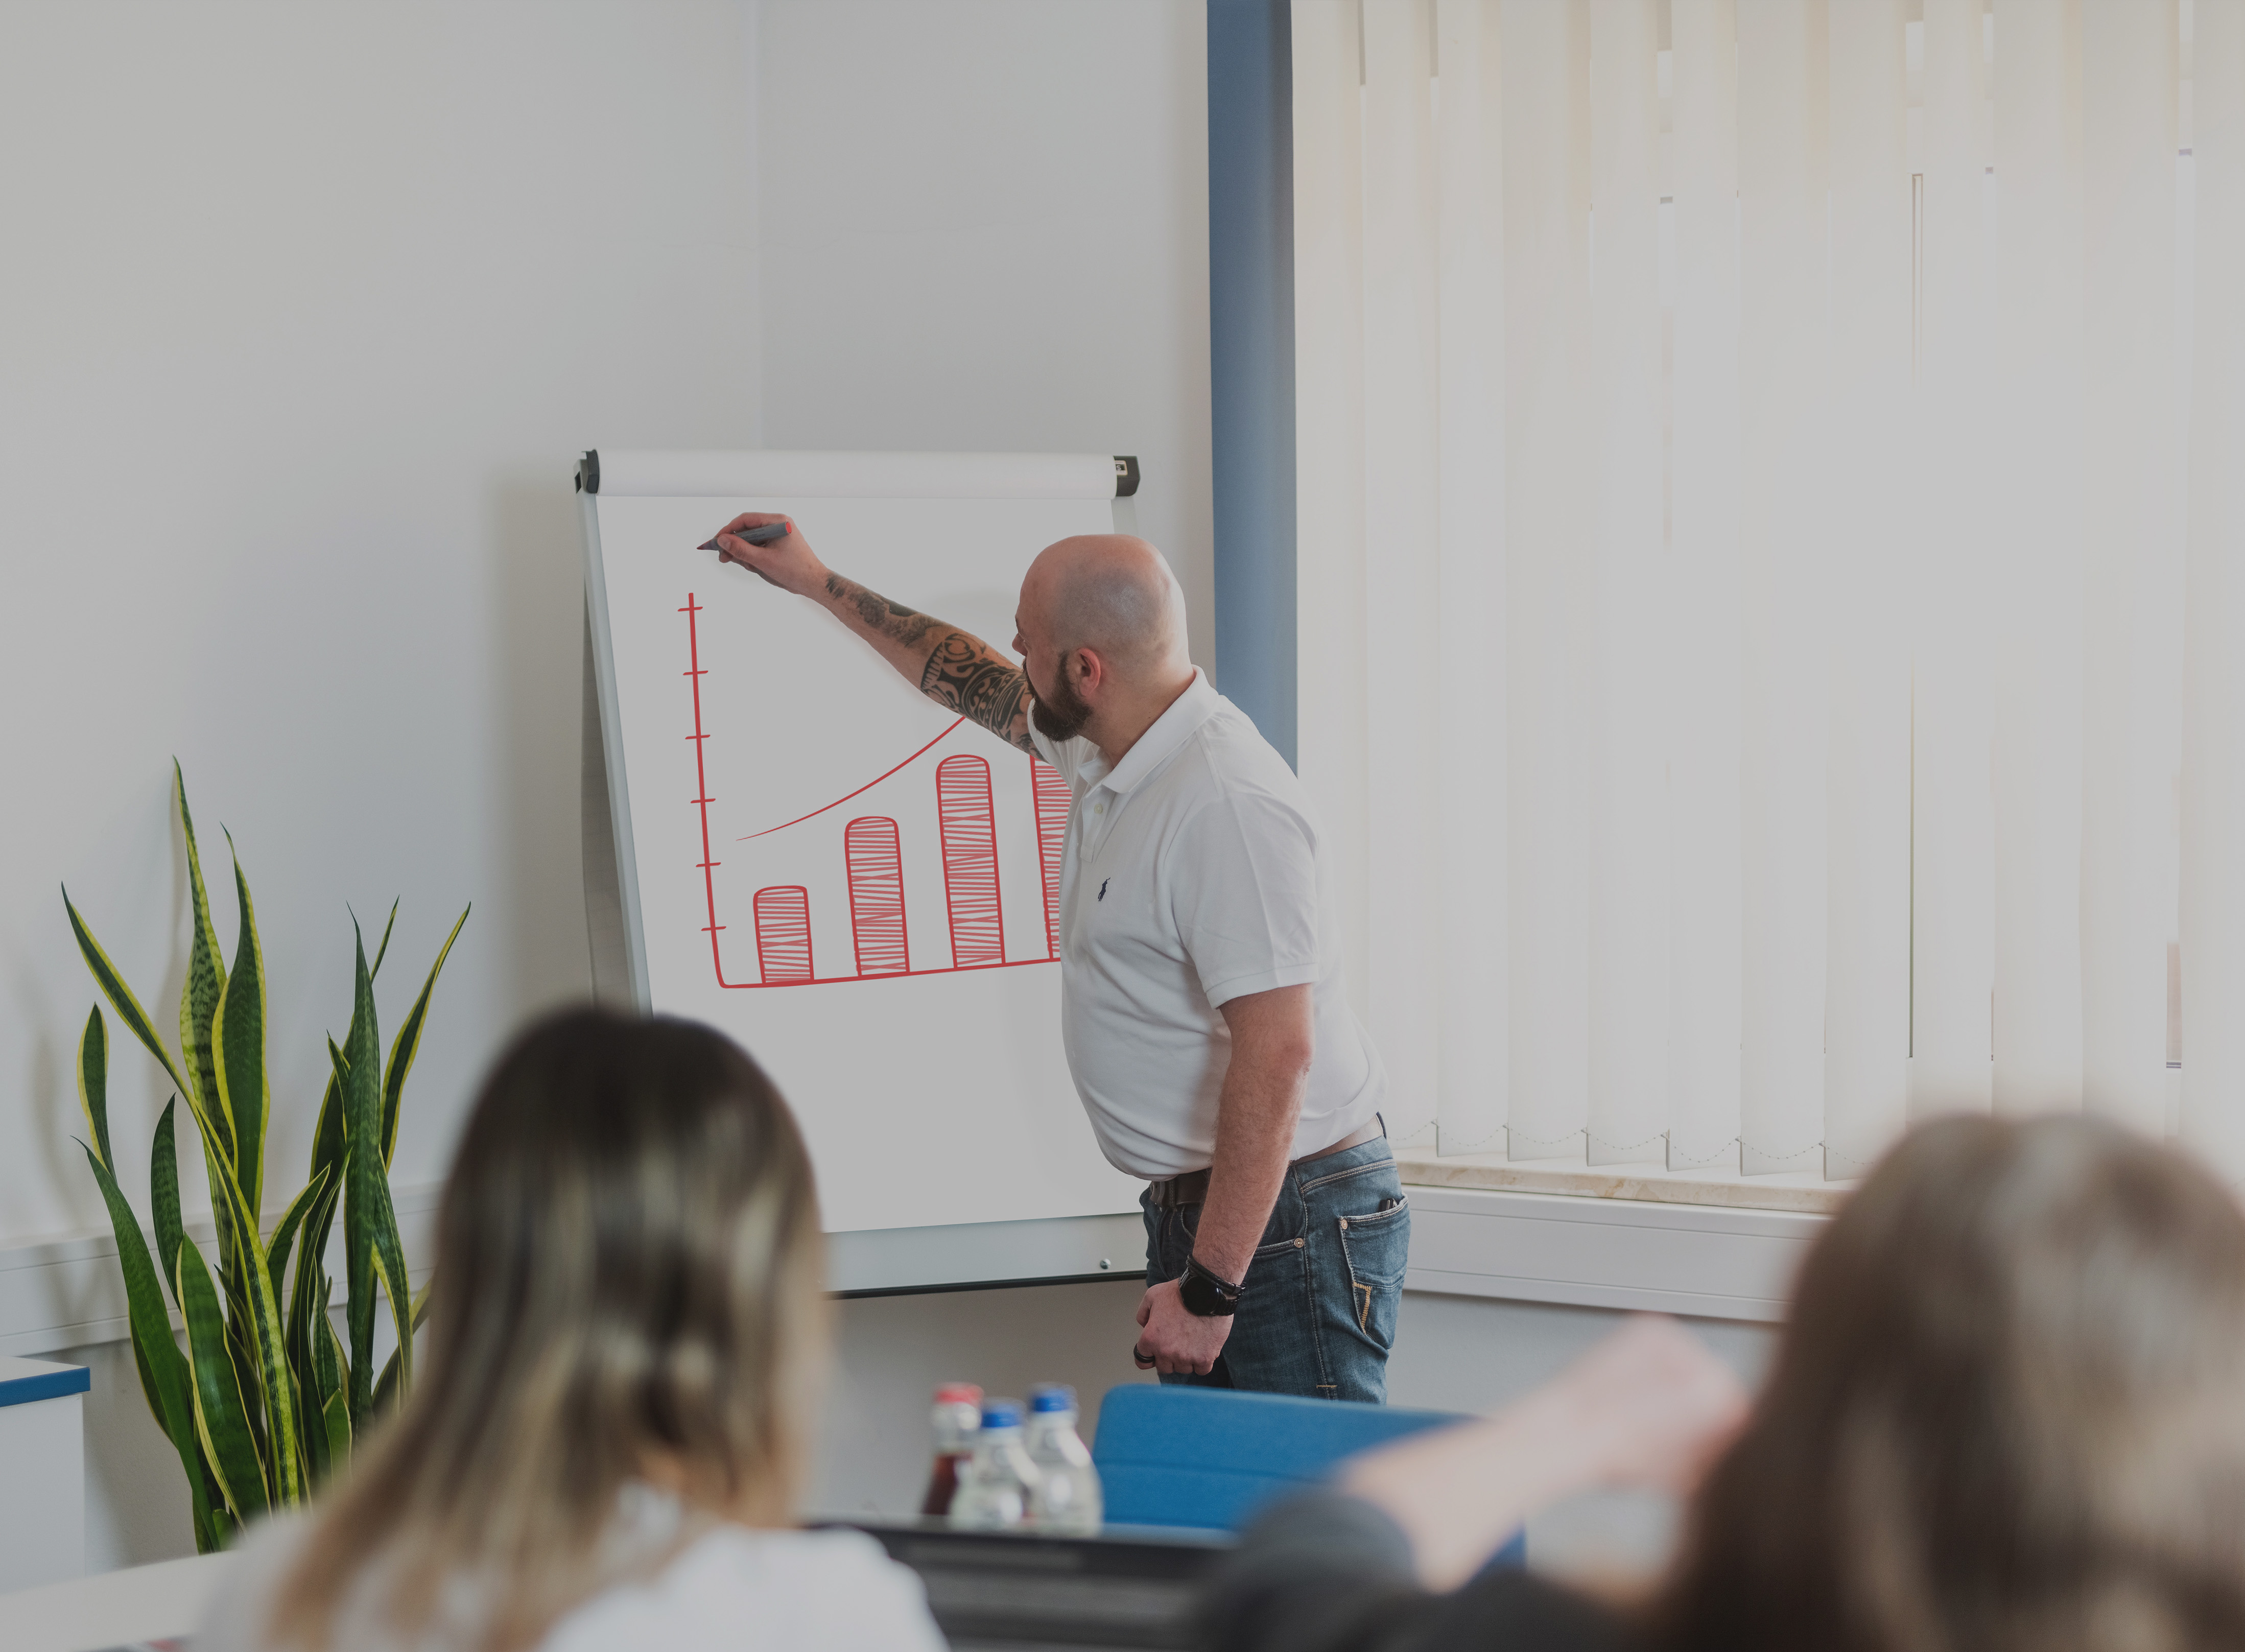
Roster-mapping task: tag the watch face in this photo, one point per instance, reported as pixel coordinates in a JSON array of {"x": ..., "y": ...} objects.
[{"x": 1201, "y": 1297}]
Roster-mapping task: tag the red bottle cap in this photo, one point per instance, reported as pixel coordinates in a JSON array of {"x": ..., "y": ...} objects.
[{"x": 959, "y": 1394}]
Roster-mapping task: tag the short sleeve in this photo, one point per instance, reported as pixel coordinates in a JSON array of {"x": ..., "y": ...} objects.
[
  {"x": 1067, "y": 756},
  {"x": 1243, "y": 878}
]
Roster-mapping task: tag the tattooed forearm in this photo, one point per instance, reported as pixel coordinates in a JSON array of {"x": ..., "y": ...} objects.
[
  {"x": 877, "y": 613},
  {"x": 952, "y": 668},
  {"x": 967, "y": 677}
]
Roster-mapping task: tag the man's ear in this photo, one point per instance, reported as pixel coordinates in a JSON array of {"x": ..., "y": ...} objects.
[{"x": 1090, "y": 671}]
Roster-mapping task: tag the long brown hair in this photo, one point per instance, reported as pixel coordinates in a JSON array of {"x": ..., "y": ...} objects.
[
  {"x": 628, "y": 1276},
  {"x": 2009, "y": 1413}
]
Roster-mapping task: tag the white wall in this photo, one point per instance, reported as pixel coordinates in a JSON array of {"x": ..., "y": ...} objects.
[
  {"x": 985, "y": 225},
  {"x": 306, "y": 312}
]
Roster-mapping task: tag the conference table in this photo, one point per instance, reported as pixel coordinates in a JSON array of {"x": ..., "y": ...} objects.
[{"x": 1129, "y": 1590}]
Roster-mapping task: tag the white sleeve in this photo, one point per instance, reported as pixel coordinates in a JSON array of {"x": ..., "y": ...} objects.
[
  {"x": 1242, "y": 877},
  {"x": 743, "y": 1591},
  {"x": 1063, "y": 754},
  {"x": 888, "y": 1613}
]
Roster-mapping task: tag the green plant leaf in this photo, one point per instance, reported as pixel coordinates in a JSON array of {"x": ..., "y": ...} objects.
[
  {"x": 202, "y": 1491},
  {"x": 93, "y": 1081},
  {"x": 307, "y": 1301},
  {"x": 128, "y": 1009},
  {"x": 121, "y": 999},
  {"x": 238, "y": 1047},
  {"x": 386, "y": 1387},
  {"x": 335, "y": 1418},
  {"x": 221, "y": 1411},
  {"x": 382, "y": 951},
  {"x": 257, "y": 1329},
  {"x": 408, "y": 1044},
  {"x": 265, "y": 1343},
  {"x": 284, "y": 1232},
  {"x": 366, "y": 1188},
  {"x": 163, "y": 1195},
  {"x": 328, "y": 1147},
  {"x": 335, "y": 1403},
  {"x": 204, "y": 986},
  {"x": 372, "y": 1255},
  {"x": 310, "y": 1270},
  {"x": 390, "y": 1265},
  {"x": 164, "y": 1376}
]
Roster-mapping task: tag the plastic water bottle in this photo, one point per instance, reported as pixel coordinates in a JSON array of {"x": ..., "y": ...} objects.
[
  {"x": 958, "y": 1419},
  {"x": 1068, "y": 1497},
  {"x": 998, "y": 1486}
]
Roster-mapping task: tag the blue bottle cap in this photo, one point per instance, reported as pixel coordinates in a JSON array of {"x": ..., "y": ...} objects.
[
  {"x": 1052, "y": 1396},
  {"x": 1002, "y": 1413}
]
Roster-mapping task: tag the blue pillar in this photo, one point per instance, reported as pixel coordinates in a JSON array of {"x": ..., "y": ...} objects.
[{"x": 1251, "y": 325}]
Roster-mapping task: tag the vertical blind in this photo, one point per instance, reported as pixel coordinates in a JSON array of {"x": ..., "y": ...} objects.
[{"x": 1771, "y": 563}]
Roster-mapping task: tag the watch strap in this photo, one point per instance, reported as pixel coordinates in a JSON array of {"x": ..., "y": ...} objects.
[{"x": 1207, "y": 1294}]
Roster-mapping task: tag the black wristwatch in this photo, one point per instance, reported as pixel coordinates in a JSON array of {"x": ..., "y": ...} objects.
[{"x": 1205, "y": 1295}]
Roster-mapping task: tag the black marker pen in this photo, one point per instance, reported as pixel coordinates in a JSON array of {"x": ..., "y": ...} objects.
[{"x": 764, "y": 535}]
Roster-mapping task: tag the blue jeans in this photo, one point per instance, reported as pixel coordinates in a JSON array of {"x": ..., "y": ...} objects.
[{"x": 1317, "y": 1315}]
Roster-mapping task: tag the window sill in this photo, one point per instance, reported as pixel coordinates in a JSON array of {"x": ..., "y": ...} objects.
[
  {"x": 1651, "y": 1183},
  {"x": 1629, "y": 1238}
]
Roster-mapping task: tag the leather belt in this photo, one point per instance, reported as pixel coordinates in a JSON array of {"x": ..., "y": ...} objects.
[{"x": 1192, "y": 1188}]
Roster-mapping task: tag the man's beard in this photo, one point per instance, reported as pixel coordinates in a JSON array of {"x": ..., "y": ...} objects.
[{"x": 1063, "y": 716}]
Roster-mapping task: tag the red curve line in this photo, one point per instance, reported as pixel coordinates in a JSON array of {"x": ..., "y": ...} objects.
[
  {"x": 846, "y": 796},
  {"x": 701, "y": 799}
]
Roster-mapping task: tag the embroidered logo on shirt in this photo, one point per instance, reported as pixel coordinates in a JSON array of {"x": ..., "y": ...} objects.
[{"x": 1102, "y": 888}]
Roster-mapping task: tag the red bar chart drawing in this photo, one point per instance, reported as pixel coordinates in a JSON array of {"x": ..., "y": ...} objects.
[
  {"x": 783, "y": 934},
  {"x": 1052, "y": 800},
  {"x": 874, "y": 859},
  {"x": 877, "y": 895},
  {"x": 970, "y": 861}
]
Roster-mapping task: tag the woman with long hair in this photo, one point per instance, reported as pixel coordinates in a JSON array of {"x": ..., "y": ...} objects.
[
  {"x": 2007, "y": 1414},
  {"x": 606, "y": 1437}
]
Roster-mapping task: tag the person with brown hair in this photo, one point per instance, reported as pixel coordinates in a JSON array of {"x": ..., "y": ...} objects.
[
  {"x": 626, "y": 1338},
  {"x": 2007, "y": 1413}
]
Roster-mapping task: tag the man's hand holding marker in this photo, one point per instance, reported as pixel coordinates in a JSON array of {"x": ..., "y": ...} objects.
[{"x": 764, "y": 535}]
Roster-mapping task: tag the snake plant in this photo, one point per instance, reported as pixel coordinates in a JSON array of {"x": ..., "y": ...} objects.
[{"x": 264, "y": 1401}]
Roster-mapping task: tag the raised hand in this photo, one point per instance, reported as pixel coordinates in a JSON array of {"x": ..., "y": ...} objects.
[{"x": 788, "y": 562}]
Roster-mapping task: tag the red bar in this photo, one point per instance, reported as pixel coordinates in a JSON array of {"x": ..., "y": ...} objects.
[
  {"x": 783, "y": 934},
  {"x": 1052, "y": 800},
  {"x": 970, "y": 861},
  {"x": 877, "y": 895}
]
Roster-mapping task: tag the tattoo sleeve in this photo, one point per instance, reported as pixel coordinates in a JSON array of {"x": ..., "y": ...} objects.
[
  {"x": 962, "y": 672},
  {"x": 879, "y": 614},
  {"x": 966, "y": 676}
]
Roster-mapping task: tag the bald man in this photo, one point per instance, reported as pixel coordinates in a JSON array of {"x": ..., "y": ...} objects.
[{"x": 1203, "y": 1008}]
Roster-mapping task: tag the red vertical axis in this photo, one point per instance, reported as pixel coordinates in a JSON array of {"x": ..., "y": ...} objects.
[
  {"x": 970, "y": 861},
  {"x": 783, "y": 934},
  {"x": 1052, "y": 801},
  {"x": 694, "y": 676},
  {"x": 877, "y": 895}
]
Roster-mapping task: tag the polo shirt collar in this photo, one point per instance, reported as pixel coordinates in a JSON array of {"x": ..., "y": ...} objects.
[{"x": 1169, "y": 732}]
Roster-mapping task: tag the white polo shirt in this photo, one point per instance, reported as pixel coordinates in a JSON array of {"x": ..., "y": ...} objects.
[{"x": 1195, "y": 874}]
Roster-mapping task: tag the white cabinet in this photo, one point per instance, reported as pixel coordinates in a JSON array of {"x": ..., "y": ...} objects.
[{"x": 42, "y": 1472}]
